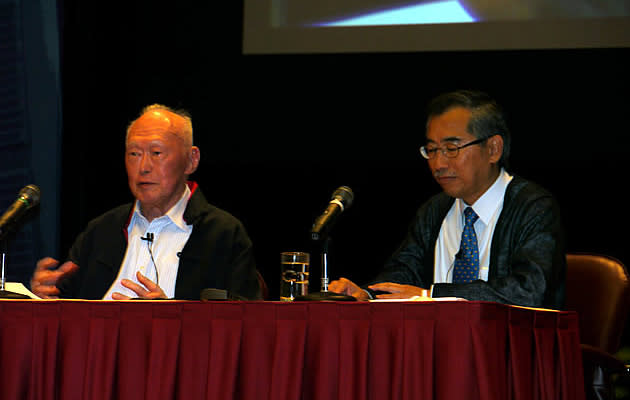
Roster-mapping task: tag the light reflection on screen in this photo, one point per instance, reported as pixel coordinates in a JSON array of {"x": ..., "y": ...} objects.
[
  {"x": 343, "y": 26},
  {"x": 439, "y": 12}
]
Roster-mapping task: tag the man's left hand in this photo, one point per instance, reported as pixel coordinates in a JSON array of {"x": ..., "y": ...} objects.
[
  {"x": 399, "y": 291},
  {"x": 148, "y": 291}
]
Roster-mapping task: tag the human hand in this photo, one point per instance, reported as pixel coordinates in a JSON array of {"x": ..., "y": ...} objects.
[
  {"x": 400, "y": 291},
  {"x": 347, "y": 287},
  {"x": 148, "y": 291},
  {"x": 45, "y": 277}
]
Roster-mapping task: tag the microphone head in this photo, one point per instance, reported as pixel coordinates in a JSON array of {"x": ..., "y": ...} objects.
[
  {"x": 345, "y": 195},
  {"x": 30, "y": 194}
]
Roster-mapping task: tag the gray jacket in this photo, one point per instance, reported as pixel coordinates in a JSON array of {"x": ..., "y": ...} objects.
[{"x": 527, "y": 254}]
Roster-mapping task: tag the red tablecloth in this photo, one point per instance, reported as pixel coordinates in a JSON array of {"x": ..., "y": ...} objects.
[{"x": 272, "y": 350}]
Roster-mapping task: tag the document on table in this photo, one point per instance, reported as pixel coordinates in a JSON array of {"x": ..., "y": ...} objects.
[
  {"x": 18, "y": 287},
  {"x": 419, "y": 298}
]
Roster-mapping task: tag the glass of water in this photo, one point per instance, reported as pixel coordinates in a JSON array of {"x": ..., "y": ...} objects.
[{"x": 294, "y": 272}]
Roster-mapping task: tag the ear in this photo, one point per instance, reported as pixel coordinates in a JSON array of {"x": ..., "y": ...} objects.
[
  {"x": 495, "y": 148},
  {"x": 193, "y": 160}
]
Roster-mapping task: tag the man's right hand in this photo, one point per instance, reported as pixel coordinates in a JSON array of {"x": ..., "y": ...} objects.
[
  {"x": 45, "y": 277},
  {"x": 347, "y": 287}
]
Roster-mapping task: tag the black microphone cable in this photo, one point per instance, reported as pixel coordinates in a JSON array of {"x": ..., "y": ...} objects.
[
  {"x": 149, "y": 240},
  {"x": 458, "y": 256}
]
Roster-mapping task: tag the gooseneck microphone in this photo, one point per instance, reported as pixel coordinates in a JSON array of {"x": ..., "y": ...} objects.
[
  {"x": 28, "y": 198},
  {"x": 341, "y": 200}
]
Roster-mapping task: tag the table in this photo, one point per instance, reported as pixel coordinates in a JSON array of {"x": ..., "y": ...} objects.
[{"x": 275, "y": 350}]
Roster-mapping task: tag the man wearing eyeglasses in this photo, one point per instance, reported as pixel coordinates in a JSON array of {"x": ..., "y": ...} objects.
[{"x": 489, "y": 235}]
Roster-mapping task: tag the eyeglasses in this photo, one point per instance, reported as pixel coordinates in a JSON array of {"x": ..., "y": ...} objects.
[{"x": 450, "y": 150}]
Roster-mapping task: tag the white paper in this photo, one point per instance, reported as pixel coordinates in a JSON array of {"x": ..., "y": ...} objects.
[
  {"x": 419, "y": 298},
  {"x": 18, "y": 287}
]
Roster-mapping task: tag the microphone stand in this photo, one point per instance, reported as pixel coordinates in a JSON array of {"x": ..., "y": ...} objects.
[
  {"x": 5, "y": 294},
  {"x": 324, "y": 294}
]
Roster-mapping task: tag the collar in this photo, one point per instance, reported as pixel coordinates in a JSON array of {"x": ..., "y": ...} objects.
[
  {"x": 175, "y": 213},
  {"x": 194, "y": 207},
  {"x": 486, "y": 206}
]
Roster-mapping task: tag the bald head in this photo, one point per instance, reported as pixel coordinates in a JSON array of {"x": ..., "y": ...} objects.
[
  {"x": 159, "y": 158},
  {"x": 160, "y": 118}
]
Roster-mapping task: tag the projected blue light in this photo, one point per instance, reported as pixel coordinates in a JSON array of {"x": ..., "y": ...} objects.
[{"x": 438, "y": 12}]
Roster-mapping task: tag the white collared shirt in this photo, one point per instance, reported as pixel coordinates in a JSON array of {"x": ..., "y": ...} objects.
[
  {"x": 488, "y": 207},
  {"x": 170, "y": 234}
]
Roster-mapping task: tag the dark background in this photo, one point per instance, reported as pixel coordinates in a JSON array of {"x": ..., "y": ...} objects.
[{"x": 278, "y": 133}]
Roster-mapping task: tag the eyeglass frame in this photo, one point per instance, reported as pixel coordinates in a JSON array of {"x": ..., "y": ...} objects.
[{"x": 444, "y": 150}]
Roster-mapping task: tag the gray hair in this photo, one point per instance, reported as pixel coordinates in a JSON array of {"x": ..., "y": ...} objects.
[{"x": 487, "y": 117}]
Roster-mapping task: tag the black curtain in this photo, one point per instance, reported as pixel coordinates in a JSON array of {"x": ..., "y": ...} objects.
[{"x": 30, "y": 121}]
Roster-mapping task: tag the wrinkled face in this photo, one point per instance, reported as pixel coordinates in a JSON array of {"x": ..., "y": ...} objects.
[
  {"x": 468, "y": 175},
  {"x": 158, "y": 162}
]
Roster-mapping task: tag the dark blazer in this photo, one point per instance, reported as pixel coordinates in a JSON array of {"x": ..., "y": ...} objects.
[
  {"x": 527, "y": 253},
  {"x": 218, "y": 254}
]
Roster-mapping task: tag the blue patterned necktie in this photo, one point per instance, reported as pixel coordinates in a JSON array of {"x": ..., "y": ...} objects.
[{"x": 467, "y": 264}]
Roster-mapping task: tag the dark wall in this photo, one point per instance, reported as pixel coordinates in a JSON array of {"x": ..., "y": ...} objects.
[
  {"x": 30, "y": 130},
  {"x": 278, "y": 133}
]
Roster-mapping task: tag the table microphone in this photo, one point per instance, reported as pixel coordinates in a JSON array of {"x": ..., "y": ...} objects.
[
  {"x": 341, "y": 200},
  {"x": 28, "y": 198}
]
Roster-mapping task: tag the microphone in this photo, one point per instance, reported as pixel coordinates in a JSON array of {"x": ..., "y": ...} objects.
[
  {"x": 341, "y": 199},
  {"x": 149, "y": 240},
  {"x": 28, "y": 198}
]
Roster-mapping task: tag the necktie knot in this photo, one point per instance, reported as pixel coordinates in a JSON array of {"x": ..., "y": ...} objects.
[{"x": 471, "y": 216}]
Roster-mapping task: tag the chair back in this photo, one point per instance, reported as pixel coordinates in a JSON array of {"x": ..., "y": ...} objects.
[
  {"x": 598, "y": 288},
  {"x": 264, "y": 289}
]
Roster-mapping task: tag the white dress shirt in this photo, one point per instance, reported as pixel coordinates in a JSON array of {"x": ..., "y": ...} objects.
[
  {"x": 488, "y": 207},
  {"x": 170, "y": 234}
]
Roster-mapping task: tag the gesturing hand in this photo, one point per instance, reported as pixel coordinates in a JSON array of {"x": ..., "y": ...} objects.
[
  {"x": 148, "y": 290},
  {"x": 45, "y": 277}
]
